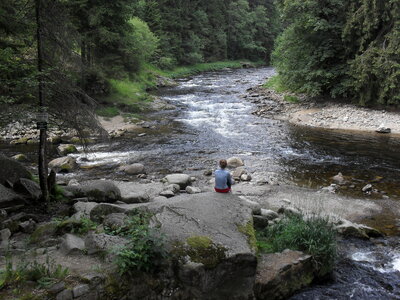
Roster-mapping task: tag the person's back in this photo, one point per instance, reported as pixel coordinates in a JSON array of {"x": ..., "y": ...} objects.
[{"x": 223, "y": 181}]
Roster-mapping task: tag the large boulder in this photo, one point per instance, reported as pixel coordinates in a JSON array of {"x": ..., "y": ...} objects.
[
  {"x": 279, "y": 275},
  {"x": 96, "y": 191},
  {"x": 212, "y": 236},
  {"x": 9, "y": 198},
  {"x": 133, "y": 169},
  {"x": 83, "y": 209},
  {"x": 11, "y": 170},
  {"x": 183, "y": 180},
  {"x": 65, "y": 149},
  {"x": 234, "y": 162},
  {"x": 28, "y": 188},
  {"x": 350, "y": 229},
  {"x": 63, "y": 164}
]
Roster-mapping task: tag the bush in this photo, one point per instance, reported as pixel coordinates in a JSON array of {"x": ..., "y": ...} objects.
[
  {"x": 145, "y": 248},
  {"x": 108, "y": 112},
  {"x": 313, "y": 235}
]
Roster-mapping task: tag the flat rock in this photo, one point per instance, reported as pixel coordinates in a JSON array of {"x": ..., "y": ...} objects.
[
  {"x": 279, "y": 275},
  {"x": 140, "y": 197},
  {"x": 133, "y": 169},
  {"x": 96, "y": 191},
  {"x": 183, "y": 180}
]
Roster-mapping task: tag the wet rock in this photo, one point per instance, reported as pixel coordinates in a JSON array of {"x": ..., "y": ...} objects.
[
  {"x": 269, "y": 214},
  {"x": 167, "y": 194},
  {"x": 193, "y": 190},
  {"x": 115, "y": 221},
  {"x": 65, "y": 149},
  {"x": 234, "y": 162},
  {"x": 12, "y": 170},
  {"x": 63, "y": 164},
  {"x": 133, "y": 169},
  {"x": 72, "y": 245},
  {"x": 5, "y": 235},
  {"x": 383, "y": 129},
  {"x": 97, "y": 191},
  {"x": 367, "y": 188},
  {"x": 279, "y": 275},
  {"x": 183, "y": 180},
  {"x": 20, "y": 157},
  {"x": 339, "y": 179},
  {"x": 9, "y": 198},
  {"x": 97, "y": 243},
  {"x": 28, "y": 188},
  {"x": 100, "y": 211},
  {"x": 27, "y": 226}
]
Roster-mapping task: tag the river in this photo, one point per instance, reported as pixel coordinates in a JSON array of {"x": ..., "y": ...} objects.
[{"x": 212, "y": 121}]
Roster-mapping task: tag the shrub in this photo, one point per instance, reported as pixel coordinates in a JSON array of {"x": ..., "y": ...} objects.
[
  {"x": 108, "y": 112},
  {"x": 313, "y": 235},
  {"x": 290, "y": 98}
]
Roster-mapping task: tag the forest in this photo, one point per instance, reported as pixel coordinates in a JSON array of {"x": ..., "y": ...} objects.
[{"x": 341, "y": 49}]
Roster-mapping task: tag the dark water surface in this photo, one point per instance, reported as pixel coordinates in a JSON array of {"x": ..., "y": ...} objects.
[{"x": 212, "y": 121}]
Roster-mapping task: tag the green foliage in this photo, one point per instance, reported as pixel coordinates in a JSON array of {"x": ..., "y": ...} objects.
[
  {"x": 275, "y": 83},
  {"x": 57, "y": 194},
  {"x": 291, "y": 98},
  {"x": 145, "y": 248},
  {"x": 81, "y": 226},
  {"x": 248, "y": 230},
  {"x": 341, "y": 48},
  {"x": 107, "y": 112},
  {"x": 313, "y": 235},
  {"x": 43, "y": 274}
]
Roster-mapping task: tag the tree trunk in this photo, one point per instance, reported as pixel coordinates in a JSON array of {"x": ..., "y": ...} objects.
[{"x": 43, "y": 132}]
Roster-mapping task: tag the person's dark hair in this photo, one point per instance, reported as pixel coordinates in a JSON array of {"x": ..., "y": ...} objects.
[{"x": 223, "y": 163}]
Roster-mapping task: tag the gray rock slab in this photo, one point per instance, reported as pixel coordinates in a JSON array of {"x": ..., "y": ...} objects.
[
  {"x": 28, "y": 188},
  {"x": 96, "y": 191},
  {"x": 11, "y": 170},
  {"x": 8, "y": 198},
  {"x": 182, "y": 179},
  {"x": 134, "y": 189}
]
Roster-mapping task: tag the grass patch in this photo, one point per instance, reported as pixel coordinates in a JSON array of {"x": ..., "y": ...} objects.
[
  {"x": 275, "y": 83},
  {"x": 291, "y": 99},
  {"x": 108, "y": 112},
  {"x": 313, "y": 235}
]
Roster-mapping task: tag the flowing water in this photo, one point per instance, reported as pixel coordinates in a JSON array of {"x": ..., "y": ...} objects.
[{"x": 212, "y": 121}]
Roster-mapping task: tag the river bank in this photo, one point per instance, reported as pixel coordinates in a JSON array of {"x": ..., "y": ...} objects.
[{"x": 326, "y": 114}]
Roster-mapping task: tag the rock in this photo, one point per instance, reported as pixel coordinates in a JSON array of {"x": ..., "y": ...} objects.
[
  {"x": 12, "y": 170},
  {"x": 269, "y": 214},
  {"x": 330, "y": 189},
  {"x": 9, "y": 198},
  {"x": 20, "y": 157},
  {"x": 207, "y": 172},
  {"x": 20, "y": 141},
  {"x": 140, "y": 197},
  {"x": 65, "y": 295},
  {"x": 57, "y": 287},
  {"x": 279, "y": 275},
  {"x": 160, "y": 199},
  {"x": 100, "y": 211},
  {"x": 63, "y": 164},
  {"x": 44, "y": 235},
  {"x": 350, "y": 229},
  {"x": 238, "y": 173},
  {"x": 55, "y": 139},
  {"x": 5, "y": 235},
  {"x": 192, "y": 190},
  {"x": 3, "y": 215},
  {"x": 94, "y": 279},
  {"x": 167, "y": 194},
  {"x": 28, "y": 226},
  {"x": 383, "y": 129},
  {"x": 260, "y": 222},
  {"x": 73, "y": 182},
  {"x": 289, "y": 210},
  {"x": 133, "y": 169},
  {"x": 72, "y": 245},
  {"x": 115, "y": 221},
  {"x": 101, "y": 243},
  {"x": 96, "y": 191},
  {"x": 183, "y": 180},
  {"x": 367, "y": 188},
  {"x": 80, "y": 290},
  {"x": 219, "y": 221},
  {"x": 84, "y": 208},
  {"x": 175, "y": 188},
  {"x": 234, "y": 162},
  {"x": 245, "y": 177},
  {"x": 254, "y": 206},
  {"x": 65, "y": 149},
  {"x": 28, "y": 188},
  {"x": 339, "y": 179}
]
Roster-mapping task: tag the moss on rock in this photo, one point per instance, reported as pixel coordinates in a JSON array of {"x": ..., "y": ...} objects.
[{"x": 248, "y": 230}]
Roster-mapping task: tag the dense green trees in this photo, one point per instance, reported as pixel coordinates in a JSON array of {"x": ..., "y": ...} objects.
[{"x": 341, "y": 48}]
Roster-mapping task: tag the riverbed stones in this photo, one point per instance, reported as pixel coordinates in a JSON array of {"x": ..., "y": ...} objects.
[
  {"x": 97, "y": 191},
  {"x": 63, "y": 164},
  {"x": 183, "y": 180},
  {"x": 133, "y": 169},
  {"x": 254, "y": 206},
  {"x": 269, "y": 214},
  {"x": 245, "y": 177},
  {"x": 20, "y": 157},
  {"x": 72, "y": 244},
  {"x": 12, "y": 170},
  {"x": 193, "y": 190},
  {"x": 28, "y": 188},
  {"x": 175, "y": 188},
  {"x": 234, "y": 162},
  {"x": 279, "y": 275},
  {"x": 350, "y": 229},
  {"x": 65, "y": 149},
  {"x": 383, "y": 129},
  {"x": 238, "y": 172},
  {"x": 132, "y": 197},
  {"x": 339, "y": 179},
  {"x": 367, "y": 188},
  {"x": 167, "y": 194}
]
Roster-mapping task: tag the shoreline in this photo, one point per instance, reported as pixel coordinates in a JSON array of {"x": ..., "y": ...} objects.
[{"x": 327, "y": 115}]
